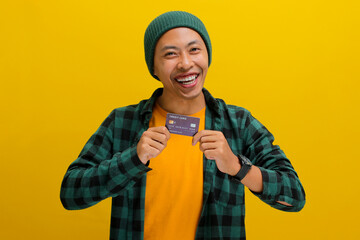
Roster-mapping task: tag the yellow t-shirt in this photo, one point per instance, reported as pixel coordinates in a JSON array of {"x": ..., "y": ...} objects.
[{"x": 174, "y": 188}]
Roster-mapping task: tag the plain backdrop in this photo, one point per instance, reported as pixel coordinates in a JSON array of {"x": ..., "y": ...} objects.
[{"x": 64, "y": 65}]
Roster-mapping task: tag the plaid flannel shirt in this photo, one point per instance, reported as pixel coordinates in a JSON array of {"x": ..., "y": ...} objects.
[{"x": 108, "y": 166}]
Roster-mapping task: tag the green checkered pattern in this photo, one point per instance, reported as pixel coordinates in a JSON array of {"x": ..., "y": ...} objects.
[{"x": 108, "y": 166}]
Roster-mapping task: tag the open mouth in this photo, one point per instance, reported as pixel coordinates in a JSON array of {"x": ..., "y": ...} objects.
[{"x": 187, "y": 80}]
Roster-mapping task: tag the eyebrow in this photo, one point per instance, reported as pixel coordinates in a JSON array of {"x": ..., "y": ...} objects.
[{"x": 176, "y": 48}]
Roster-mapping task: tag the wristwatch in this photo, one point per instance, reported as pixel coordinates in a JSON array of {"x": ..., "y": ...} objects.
[{"x": 245, "y": 164}]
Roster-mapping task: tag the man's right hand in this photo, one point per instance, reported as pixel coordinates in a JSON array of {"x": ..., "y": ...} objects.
[{"x": 152, "y": 142}]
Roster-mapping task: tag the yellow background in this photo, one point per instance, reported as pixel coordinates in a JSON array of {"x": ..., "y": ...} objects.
[{"x": 64, "y": 65}]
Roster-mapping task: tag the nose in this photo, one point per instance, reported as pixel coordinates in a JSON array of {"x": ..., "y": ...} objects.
[{"x": 185, "y": 62}]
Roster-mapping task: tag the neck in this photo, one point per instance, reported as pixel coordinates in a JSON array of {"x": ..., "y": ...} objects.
[{"x": 182, "y": 106}]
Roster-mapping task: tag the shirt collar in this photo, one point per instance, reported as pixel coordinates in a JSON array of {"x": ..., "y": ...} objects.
[{"x": 209, "y": 99}]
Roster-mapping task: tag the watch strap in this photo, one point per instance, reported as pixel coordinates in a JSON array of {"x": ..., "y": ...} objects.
[{"x": 245, "y": 167}]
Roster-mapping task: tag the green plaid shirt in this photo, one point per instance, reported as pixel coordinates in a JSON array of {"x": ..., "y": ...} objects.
[{"x": 108, "y": 166}]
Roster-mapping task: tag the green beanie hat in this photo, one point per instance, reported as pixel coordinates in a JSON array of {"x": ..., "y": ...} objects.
[{"x": 166, "y": 22}]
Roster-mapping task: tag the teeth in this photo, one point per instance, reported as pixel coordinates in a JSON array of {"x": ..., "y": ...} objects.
[
  {"x": 186, "y": 79},
  {"x": 187, "y": 83}
]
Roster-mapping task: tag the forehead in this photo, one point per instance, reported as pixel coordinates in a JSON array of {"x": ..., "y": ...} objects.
[{"x": 179, "y": 37}]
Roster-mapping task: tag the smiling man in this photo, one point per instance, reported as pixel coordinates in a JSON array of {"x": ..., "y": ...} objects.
[{"x": 166, "y": 184}]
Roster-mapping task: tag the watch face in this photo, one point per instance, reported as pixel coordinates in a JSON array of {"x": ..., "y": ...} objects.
[
  {"x": 246, "y": 161},
  {"x": 245, "y": 167}
]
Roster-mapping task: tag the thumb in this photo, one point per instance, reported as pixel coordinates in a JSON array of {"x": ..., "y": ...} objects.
[{"x": 196, "y": 138}]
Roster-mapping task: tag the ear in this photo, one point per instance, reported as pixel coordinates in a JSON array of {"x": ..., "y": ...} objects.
[
  {"x": 154, "y": 70},
  {"x": 155, "y": 73}
]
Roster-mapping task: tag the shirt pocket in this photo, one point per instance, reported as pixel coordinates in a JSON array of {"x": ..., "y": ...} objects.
[{"x": 227, "y": 192}]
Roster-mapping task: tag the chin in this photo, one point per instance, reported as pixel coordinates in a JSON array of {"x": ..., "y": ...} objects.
[{"x": 193, "y": 94}]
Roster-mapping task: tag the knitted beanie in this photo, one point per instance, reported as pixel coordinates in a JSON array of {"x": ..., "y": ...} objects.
[{"x": 166, "y": 22}]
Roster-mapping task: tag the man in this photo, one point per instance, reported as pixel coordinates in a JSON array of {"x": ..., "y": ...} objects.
[{"x": 172, "y": 186}]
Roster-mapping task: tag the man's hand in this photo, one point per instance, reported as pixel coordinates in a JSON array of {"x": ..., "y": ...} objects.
[
  {"x": 215, "y": 147},
  {"x": 152, "y": 142}
]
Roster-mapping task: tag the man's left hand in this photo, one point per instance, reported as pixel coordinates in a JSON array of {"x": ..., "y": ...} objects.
[{"x": 215, "y": 147}]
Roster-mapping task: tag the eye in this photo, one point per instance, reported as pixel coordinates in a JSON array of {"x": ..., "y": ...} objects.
[
  {"x": 194, "y": 49},
  {"x": 169, "y": 54}
]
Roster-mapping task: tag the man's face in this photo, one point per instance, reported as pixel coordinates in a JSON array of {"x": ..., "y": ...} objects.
[{"x": 181, "y": 63}]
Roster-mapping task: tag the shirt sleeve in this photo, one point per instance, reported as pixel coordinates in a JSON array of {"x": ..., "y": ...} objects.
[
  {"x": 280, "y": 181},
  {"x": 98, "y": 173}
]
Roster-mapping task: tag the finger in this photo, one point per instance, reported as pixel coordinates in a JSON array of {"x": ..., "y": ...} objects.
[
  {"x": 155, "y": 144},
  {"x": 162, "y": 130},
  {"x": 167, "y": 133},
  {"x": 204, "y": 133},
  {"x": 210, "y": 154},
  {"x": 145, "y": 151},
  {"x": 198, "y": 136},
  {"x": 156, "y": 136},
  {"x": 152, "y": 152},
  {"x": 208, "y": 146},
  {"x": 209, "y": 138}
]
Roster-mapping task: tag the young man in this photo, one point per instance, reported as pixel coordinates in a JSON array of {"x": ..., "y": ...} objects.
[{"x": 173, "y": 186}]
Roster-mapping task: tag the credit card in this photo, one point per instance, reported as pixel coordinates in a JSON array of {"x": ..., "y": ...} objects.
[{"x": 181, "y": 124}]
